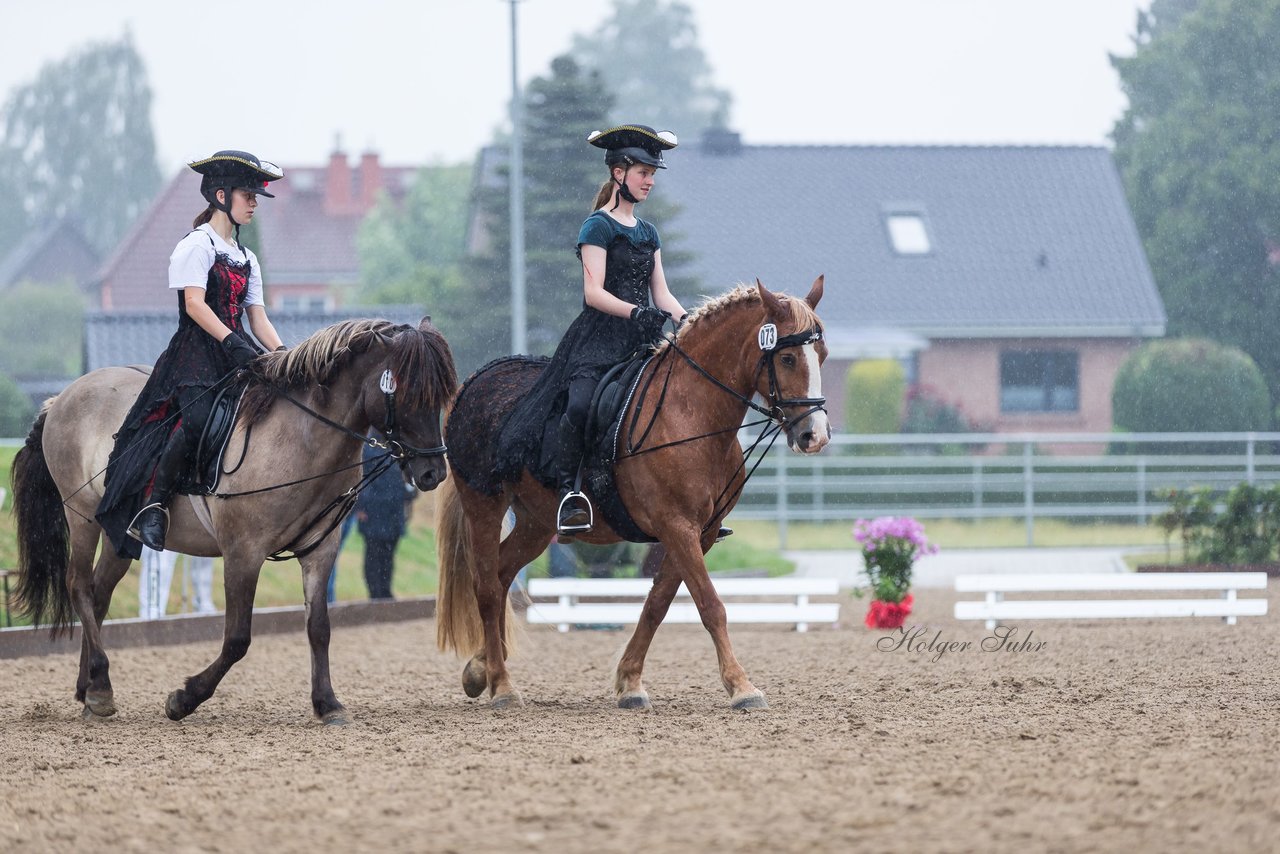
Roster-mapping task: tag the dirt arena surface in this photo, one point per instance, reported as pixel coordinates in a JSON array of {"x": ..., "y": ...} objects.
[{"x": 1137, "y": 735}]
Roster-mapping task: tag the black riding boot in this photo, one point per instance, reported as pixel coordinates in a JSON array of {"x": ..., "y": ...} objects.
[
  {"x": 574, "y": 516},
  {"x": 152, "y": 522}
]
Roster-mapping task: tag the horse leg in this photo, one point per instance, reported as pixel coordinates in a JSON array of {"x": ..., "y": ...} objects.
[
  {"x": 485, "y": 515},
  {"x": 688, "y": 552},
  {"x": 93, "y": 686},
  {"x": 627, "y": 682},
  {"x": 240, "y": 580},
  {"x": 315, "y": 587}
]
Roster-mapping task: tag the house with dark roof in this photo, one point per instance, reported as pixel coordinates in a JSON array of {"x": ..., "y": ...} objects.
[
  {"x": 56, "y": 251},
  {"x": 1011, "y": 281},
  {"x": 306, "y": 235}
]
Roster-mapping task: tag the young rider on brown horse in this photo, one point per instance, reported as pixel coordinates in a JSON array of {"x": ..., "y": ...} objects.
[
  {"x": 621, "y": 269},
  {"x": 218, "y": 281}
]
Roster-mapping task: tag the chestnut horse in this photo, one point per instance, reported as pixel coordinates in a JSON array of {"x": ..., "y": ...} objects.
[
  {"x": 305, "y": 453},
  {"x": 678, "y": 489}
]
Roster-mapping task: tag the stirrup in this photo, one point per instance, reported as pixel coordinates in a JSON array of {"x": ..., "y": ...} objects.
[
  {"x": 133, "y": 530},
  {"x": 570, "y": 530},
  {"x": 723, "y": 534}
]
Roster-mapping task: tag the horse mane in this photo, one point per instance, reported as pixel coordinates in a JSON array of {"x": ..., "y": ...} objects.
[
  {"x": 420, "y": 360},
  {"x": 802, "y": 315}
]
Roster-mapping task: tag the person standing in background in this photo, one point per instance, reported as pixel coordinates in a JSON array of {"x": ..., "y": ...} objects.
[{"x": 381, "y": 513}]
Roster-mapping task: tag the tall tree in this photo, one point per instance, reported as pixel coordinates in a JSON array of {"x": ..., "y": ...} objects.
[
  {"x": 77, "y": 141},
  {"x": 562, "y": 174},
  {"x": 1197, "y": 149},
  {"x": 647, "y": 51}
]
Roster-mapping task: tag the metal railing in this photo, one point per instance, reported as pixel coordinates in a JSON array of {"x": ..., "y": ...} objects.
[{"x": 1001, "y": 475}]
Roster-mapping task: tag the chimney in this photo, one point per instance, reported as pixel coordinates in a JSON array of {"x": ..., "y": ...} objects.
[
  {"x": 721, "y": 141},
  {"x": 337, "y": 183},
  {"x": 370, "y": 180}
]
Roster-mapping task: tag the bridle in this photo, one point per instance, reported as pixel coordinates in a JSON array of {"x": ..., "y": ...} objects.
[
  {"x": 397, "y": 451},
  {"x": 774, "y": 413}
]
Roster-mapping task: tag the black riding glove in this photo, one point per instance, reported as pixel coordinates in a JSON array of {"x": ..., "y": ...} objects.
[
  {"x": 240, "y": 350},
  {"x": 651, "y": 319}
]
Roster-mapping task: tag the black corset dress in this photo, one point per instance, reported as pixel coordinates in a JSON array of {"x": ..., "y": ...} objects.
[
  {"x": 193, "y": 362},
  {"x": 594, "y": 342}
]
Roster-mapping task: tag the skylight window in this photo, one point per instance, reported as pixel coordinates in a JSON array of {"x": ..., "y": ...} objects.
[{"x": 907, "y": 234}]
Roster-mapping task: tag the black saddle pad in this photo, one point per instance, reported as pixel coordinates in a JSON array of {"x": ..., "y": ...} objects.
[{"x": 213, "y": 441}]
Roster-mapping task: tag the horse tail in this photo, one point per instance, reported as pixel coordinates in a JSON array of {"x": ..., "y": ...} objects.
[
  {"x": 458, "y": 625},
  {"x": 43, "y": 539}
]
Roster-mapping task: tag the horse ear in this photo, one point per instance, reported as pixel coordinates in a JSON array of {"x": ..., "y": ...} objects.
[
  {"x": 772, "y": 304},
  {"x": 425, "y": 323},
  {"x": 815, "y": 292}
]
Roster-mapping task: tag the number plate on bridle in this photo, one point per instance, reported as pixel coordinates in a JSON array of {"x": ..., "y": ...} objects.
[
  {"x": 768, "y": 336},
  {"x": 388, "y": 382}
]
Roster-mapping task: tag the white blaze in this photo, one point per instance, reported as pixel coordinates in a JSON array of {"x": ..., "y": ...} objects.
[{"x": 821, "y": 426}]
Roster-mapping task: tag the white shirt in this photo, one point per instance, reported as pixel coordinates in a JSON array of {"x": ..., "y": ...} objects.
[{"x": 193, "y": 257}]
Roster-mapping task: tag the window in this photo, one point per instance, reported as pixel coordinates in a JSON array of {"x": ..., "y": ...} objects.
[
  {"x": 907, "y": 233},
  {"x": 1040, "y": 381}
]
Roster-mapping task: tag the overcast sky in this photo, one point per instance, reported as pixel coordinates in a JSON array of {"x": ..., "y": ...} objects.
[{"x": 429, "y": 80}]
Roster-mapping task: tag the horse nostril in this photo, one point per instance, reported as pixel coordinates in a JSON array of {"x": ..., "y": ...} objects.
[{"x": 806, "y": 438}]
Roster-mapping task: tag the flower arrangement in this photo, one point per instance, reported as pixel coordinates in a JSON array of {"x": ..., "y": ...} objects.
[{"x": 890, "y": 547}]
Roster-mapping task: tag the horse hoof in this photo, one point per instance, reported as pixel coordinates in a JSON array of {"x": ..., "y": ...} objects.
[
  {"x": 474, "y": 680},
  {"x": 634, "y": 700},
  {"x": 510, "y": 700},
  {"x": 100, "y": 705},
  {"x": 753, "y": 700},
  {"x": 174, "y": 709},
  {"x": 338, "y": 717}
]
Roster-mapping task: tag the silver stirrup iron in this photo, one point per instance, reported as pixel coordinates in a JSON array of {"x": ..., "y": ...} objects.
[
  {"x": 575, "y": 529},
  {"x": 133, "y": 531}
]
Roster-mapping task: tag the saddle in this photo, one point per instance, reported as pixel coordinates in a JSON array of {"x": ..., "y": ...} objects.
[
  {"x": 608, "y": 410},
  {"x": 205, "y": 471}
]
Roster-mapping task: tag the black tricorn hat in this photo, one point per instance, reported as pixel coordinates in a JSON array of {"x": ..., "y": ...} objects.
[
  {"x": 236, "y": 170},
  {"x": 634, "y": 144}
]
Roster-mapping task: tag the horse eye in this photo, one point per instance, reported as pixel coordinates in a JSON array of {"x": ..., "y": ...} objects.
[{"x": 789, "y": 361}]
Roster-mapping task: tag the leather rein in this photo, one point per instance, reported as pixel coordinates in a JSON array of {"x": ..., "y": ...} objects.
[
  {"x": 396, "y": 451},
  {"x": 774, "y": 414}
]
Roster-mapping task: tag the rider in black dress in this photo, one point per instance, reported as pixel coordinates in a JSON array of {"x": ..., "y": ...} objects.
[
  {"x": 622, "y": 269},
  {"x": 218, "y": 282}
]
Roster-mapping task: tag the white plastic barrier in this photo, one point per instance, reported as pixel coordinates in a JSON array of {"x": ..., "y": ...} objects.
[
  {"x": 569, "y": 609},
  {"x": 995, "y": 607}
]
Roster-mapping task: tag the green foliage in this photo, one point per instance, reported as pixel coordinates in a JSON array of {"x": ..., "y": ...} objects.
[
  {"x": 41, "y": 331},
  {"x": 1245, "y": 531},
  {"x": 410, "y": 253},
  {"x": 78, "y": 141},
  {"x": 925, "y": 411},
  {"x": 16, "y": 411},
  {"x": 1189, "y": 385},
  {"x": 874, "y": 390},
  {"x": 648, "y": 54},
  {"x": 1197, "y": 151}
]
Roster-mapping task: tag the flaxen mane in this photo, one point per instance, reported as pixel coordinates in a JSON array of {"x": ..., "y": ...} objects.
[
  {"x": 420, "y": 360},
  {"x": 802, "y": 316}
]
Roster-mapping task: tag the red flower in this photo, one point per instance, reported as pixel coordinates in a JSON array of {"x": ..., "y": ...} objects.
[{"x": 889, "y": 615}]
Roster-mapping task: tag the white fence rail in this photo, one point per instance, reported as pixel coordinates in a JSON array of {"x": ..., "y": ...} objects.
[{"x": 988, "y": 475}]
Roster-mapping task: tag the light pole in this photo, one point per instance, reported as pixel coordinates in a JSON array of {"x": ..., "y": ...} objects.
[{"x": 519, "y": 343}]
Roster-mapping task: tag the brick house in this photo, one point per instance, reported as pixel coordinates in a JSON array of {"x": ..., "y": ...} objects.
[
  {"x": 306, "y": 235},
  {"x": 1009, "y": 280}
]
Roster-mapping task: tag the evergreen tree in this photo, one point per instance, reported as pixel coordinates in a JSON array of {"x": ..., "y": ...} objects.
[
  {"x": 77, "y": 141},
  {"x": 648, "y": 55}
]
